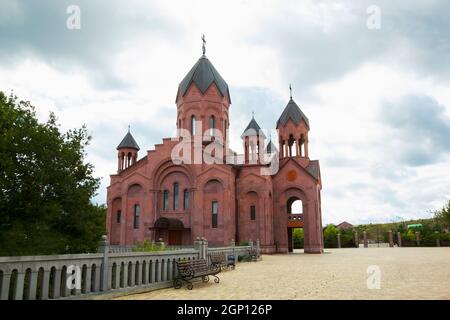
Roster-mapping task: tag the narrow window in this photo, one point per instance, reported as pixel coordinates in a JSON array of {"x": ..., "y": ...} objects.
[
  {"x": 175, "y": 196},
  {"x": 136, "y": 216},
  {"x": 119, "y": 216},
  {"x": 186, "y": 199},
  {"x": 215, "y": 212},
  {"x": 193, "y": 125},
  {"x": 212, "y": 125},
  {"x": 166, "y": 200},
  {"x": 252, "y": 213},
  {"x": 129, "y": 159}
]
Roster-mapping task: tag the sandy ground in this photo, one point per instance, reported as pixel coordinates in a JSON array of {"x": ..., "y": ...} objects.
[{"x": 406, "y": 273}]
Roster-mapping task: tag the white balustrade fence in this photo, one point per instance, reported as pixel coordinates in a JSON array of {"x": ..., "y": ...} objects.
[{"x": 84, "y": 275}]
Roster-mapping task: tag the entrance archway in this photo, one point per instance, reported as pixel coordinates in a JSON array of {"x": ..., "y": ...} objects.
[
  {"x": 170, "y": 230},
  {"x": 294, "y": 208}
]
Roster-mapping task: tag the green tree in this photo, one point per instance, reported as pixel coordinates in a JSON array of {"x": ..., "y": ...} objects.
[
  {"x": 298, "y": 236},
  {"x": 443, "y": 215},
  {"x": 45, "y": 185},
  {"x": 347, "y": 238},
  {"x": 330, "y": 236}
]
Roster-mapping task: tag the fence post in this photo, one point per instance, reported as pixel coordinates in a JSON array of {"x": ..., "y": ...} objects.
[
  {"x": 338, "y": 240},
  {"x": 232, "y": 245},
  {"x": 258, "y": 247},
  {"x": 399, "y": 239},
  {"x": 366, "y": 243},
  {"x": 250, "y": 243},
  {"x": 104, "y": 248},
  {"x": 391, "y": 239},
  {"x": 198, "y": 247},
  {"x": 356, "y": 239},
  {"x": 5, "y": 285},
  {"x": 205, "y": 248},
  {"x": 418, "y": 238},
  {"x": 438, "y": 243}
]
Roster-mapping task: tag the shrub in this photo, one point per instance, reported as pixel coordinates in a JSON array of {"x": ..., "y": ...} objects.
[{"x": 146, "y": 246}]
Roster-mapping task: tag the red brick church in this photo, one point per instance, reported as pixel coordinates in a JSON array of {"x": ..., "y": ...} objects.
[{"x": 156, "y": 197}]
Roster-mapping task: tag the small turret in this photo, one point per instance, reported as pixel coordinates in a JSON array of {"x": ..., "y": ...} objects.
[
  {"x": 293, "y": 128},
  {"x": 127, "y": 152},
  {"x": 253, "y": 141}
]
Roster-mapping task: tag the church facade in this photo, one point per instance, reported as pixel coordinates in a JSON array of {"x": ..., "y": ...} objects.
[{"x": 236, "y": 199}]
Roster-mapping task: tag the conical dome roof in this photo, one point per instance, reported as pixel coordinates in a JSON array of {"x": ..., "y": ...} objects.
[
  {"x": 128, "y": 142},
  {"x": 203, "y": 74},
  {"x": 253, "y": 129},
  {"x": 271, "y": 147},
  {"x": 293, "y": 112}
]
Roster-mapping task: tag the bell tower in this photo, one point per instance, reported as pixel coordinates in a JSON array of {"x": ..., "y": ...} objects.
[
  {"x": 203, "y": 100},
  {"x": 293, "y": 128},
  {"x": 127, "y": 152}
]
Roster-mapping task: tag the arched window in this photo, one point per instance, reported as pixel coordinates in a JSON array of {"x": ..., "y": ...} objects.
[
  {"x": 302, "y": 146},
  {"x": 119, "y": 216},
  {"x": 294, "y": 206},
  {"x": 252, "y": 151},
  {"x": 214, "y": 213},
  {"x": 136, "y": 216},
  {"x": 290, "y": 145},
  {"x": 175, "y": 196},
  {"x": 193, "y": 125},
  {"x": 252, "y": 213},
  {"x": 186, "y": 199},
  {"x": 166, "y": 200},
  {"x": 212, "y": 125}
]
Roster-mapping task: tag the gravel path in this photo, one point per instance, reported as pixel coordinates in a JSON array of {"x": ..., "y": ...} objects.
[{"x": 406, "y": 273}]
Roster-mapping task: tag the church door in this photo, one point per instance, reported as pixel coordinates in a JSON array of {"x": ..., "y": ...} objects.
[{"x": 175, "y": 237}]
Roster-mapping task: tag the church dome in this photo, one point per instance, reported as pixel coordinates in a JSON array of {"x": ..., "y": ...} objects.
[
  {"x": 253, "y": 129},
  {"x": 293, "y": 112},
  {"x": 203, "y": 74},
  {"x": 128, "y": 142}
]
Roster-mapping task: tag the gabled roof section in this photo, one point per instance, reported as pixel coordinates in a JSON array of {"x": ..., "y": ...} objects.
[
  {"x": 128, "y": 142},
  {"x": 253, "y": 129},
  {"x": 203, "y": 74},
  {"x": 312, "y": 169},
  {"x": 293, "y": 112}
]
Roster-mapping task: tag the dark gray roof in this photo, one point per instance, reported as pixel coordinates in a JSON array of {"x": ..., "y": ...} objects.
[
  {"x": 293, "y": 112},
  {"x": 203, "y": 74},
  {"x": 313, "y": 168},
  {"x": 128, "y": 142},
  {"x": 271, "y": 147},
  {"x": 253, "y": 129}
]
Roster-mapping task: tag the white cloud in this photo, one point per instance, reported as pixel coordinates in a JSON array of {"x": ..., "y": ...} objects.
[{"x": 343, "y": 77}]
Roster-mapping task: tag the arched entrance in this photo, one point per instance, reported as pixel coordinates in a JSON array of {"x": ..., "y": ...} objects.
[
  {"x": 294, "y": 208},
  {"x": 170, "y": 230}
]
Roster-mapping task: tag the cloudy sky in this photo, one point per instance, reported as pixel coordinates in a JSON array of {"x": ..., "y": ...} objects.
[{"x": 378, "y": 99}]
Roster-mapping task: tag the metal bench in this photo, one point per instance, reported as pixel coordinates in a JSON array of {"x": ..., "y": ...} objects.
[
  {"x": 254, "y": 254},
  {"x": 222, "y": 260},
  {"x": 198, "y": 268}
]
